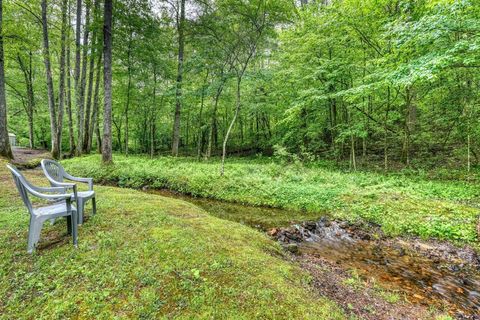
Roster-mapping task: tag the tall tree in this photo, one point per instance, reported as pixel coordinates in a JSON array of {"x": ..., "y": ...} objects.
[
  {"x": 61, "y": 86},
  {"x": 76, "y": 74},
  {"x": 71, "y": 133},
  {"x": 94, "y": 46},
  {"x": 95, "y": 110},
  {"x": 5, "y": 149},
  {"x": 27, "y": 70},
  {"x": 50, "y": 90},
  {"x": 107, "y": 80},
  {"x": 83, "y": 81},
  {"x": 178, "y": 93}
]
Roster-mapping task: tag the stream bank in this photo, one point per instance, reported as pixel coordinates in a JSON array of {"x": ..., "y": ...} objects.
[
  {"x": 372, "y": 276},
  {"x": 428, "y": 273}
]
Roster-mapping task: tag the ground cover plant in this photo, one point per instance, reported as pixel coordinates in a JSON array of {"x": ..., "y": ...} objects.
[
  {"x": 402, "y": 205},
  {"x": 145, "y": 256}
]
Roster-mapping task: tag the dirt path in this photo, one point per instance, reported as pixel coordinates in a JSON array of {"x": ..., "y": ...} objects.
[{"x": 25, "y": 157}]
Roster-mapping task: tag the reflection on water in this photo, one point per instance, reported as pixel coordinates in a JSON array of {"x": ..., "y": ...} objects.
[
  {"x": 424, "y": 280},
  {"x": 257, "y": 217}
]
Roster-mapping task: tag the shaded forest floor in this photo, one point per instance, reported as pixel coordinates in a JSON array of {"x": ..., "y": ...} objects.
[{"x": 29, "y": 158}]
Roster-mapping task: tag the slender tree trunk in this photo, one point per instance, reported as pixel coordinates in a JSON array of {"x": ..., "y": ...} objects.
[
  {"x": 154, "y": 113},
  {"x": 107, "y": 80},
  {"x": 5, "y": 149},
  {"x": 407, "y": 126},
  {"x": 200, "y": 124},
  {"x": 61, "y": 86},
  {"x": 51, "y": 93},
  {"x": 28, "y": 76},
  {"x": 71, "y": 134},
  {"x": 129, "y": 85},
  {"x": 178, "y": 94},
  {"x": 76, "y": 74},
  {"x": 227, "y": 134},
  {"x": 86, "y": 138},
  {"x": 213, "y": 126},
  {"x": 83, "y": 81},
  {"x": 95, "y": 110}
]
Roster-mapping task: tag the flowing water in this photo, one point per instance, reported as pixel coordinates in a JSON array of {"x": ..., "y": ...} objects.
[{"x": 425, "y": 279}]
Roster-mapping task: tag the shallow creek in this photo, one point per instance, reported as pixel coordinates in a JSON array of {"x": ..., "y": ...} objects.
[{"x": 427, "y": 273}]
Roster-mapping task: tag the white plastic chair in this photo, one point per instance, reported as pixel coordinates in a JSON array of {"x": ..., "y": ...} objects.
[
  {"x": 61, "y": 207},
  {"x": 56, "y": 174}
]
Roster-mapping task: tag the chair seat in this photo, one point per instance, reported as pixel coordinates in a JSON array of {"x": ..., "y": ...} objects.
[
  {"x": 86, "y": 194},
  {"x": 58, "y": 209}
]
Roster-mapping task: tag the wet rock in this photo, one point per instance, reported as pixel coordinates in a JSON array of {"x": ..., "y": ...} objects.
[
  {"x": 310, "y": 226},
  {"x": 289, "y": 235}
]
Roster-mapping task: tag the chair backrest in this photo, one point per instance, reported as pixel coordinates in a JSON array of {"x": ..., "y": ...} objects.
[
  {"x": 53, "y": 170},
  {"x": 20, "y": 182}
]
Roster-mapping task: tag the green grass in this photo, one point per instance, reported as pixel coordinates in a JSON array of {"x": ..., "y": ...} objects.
[
  {"x": 402, "y": 205},
  {"x": 145, "y": 256}
]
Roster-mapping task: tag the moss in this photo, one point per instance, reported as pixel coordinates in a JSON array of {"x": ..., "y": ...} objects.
[
  {"x": 145, "y": 256},
  {"x": 402, "y": 205}
]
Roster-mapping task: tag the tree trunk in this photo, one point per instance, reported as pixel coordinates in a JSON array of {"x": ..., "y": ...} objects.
[
  {"x": 178, "y": 93},
  {"x": 61, "y": 86},
  {"x": 95, "y": 111},
  {"x": 76, "y": 74},
  {"x": 83, "y": 82},
  {"x": 129, "y": 85},
  {"x": 5, "y": 149},
  {"x": 212, "y": 136},
  {"x": 71, "y": 135},
  {"x": 154, "y": 113},
  {"x": 51, "y": 93},
  {"x": 86, "y": 138},
  {"x": 28, "y": 76},
  {"x": 227, "y": 134},
  {"x": 107, "y": 80},
  {"x": 200, "y": 124}
]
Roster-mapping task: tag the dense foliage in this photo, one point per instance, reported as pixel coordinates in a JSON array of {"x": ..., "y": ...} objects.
[
  {"x": 385, "y": 80},
  {"x": 402, "y": 205}
]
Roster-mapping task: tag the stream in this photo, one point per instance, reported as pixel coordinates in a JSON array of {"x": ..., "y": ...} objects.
[{"x": 428, "y": 273}]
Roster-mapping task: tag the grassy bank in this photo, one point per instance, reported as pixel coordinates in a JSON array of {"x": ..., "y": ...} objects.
[
  {"x": 400, "y": 204},
  {"x": 145, "y": 256}
]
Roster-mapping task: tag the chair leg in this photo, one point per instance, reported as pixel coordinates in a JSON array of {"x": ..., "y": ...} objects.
[
  {"x": 80, "y": 206},
  {"x": 69, "y": 224},
  {"x": 34, "y": 233},
  {"x": 94, "y": 206},
  {"x": 74, "y": 227}
]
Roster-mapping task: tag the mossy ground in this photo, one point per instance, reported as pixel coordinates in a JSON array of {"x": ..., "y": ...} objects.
[
  {"x": 401, "y": 204},
  {"x": 145, "y": 256}
]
